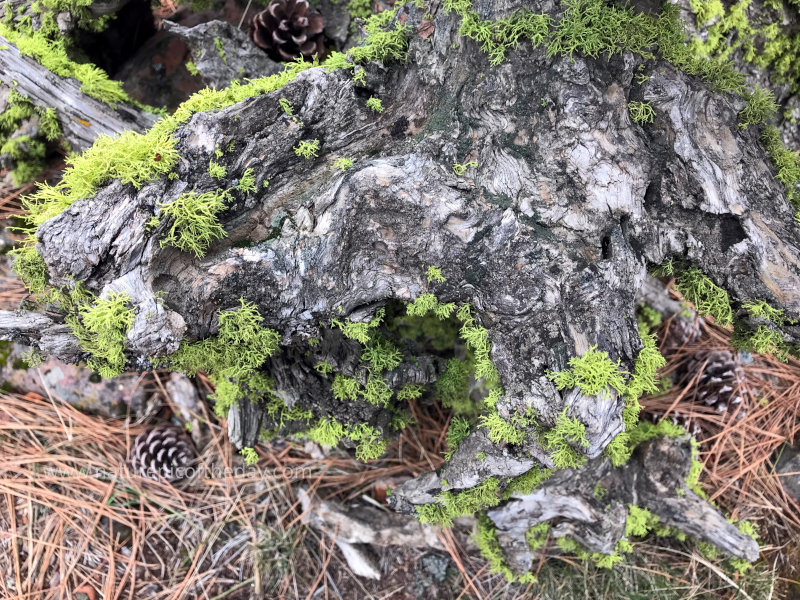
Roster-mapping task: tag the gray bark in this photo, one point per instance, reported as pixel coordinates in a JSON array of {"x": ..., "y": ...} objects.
[
  {"x": 548, "y": 238},
  {"x": 655, "y": 479},
  {"x": 81, "y": 117}
]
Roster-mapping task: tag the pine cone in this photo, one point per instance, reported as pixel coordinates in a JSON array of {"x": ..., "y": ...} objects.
[
  {"x": 679, "y": 332},
  {"x": 163, "y": 451},
  {"x": 721, "y": 379},
  {"x": 288, "y": 29}
]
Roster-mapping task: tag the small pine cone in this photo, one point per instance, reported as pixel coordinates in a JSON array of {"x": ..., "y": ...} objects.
[
  {"x": 721, "y": 379},
  {"x": 680, "y": 331},
  {"x": 289, "y": 29},
  {"x": 164, "y": 451}
]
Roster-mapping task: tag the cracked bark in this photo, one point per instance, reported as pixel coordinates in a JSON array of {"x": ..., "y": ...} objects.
[{"x": 548, "y": 239}]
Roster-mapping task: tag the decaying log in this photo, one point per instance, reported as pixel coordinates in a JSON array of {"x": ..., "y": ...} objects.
[
  {"x": 655, "y": 479},
  {"x": 222, "y": 53},
  {"x": 81, "y": 117},
  {"x": 547, "y": 232}
]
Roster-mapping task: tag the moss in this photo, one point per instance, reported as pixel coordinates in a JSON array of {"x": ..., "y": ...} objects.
[
  {"x": 452, "y": 505},
  {"x": 641, "y": 112},
  {"x": 460, "y": 169},
  {"x": 434, "y": 274},
  {"x": 527, "y": 482},
  {"x": 194, "y": 221},
  {"x": 192, "y": 68},
  {"x": 216, "y": 170},
  {"x": 709, "y": 299},
  {"x": 247, "y": 182},
  {"x": 307, "y": 149},
  {"x": 343, "y": 163},
  {"x": 101, "y": 330},
  {"x": 594, "y": 373},
  {"x": 52, "y": 54},
  {"x": 457, "y": 432},
  {"x": 560, "y": 439},
  {"x": 375, "y": 104},
  {"x": 249, "y": 455},
  {"x": 760, "y": 107},
  {"x": 787, "y": 164}
]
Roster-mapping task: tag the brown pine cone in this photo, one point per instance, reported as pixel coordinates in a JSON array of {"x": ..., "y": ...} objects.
[
  {"x": 680, "y": 331},
  {"x": 288, "y": 29},
  {"x": 719, "y": 384},
  {"x": 164, "y": 452}
]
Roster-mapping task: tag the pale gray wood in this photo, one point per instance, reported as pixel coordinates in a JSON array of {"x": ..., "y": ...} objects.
[{"x": 82, "y": 118}]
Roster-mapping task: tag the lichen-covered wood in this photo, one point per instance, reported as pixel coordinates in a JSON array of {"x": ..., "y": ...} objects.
[{"x": 526, "y": 184}]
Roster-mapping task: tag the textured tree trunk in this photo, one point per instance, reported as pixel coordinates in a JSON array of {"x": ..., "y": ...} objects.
[{"x": 548, "y": 239}]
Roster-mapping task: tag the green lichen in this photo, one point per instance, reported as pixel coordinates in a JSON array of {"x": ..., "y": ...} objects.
[
  {"x": 537, "y": 535},
  {"x": 451, "y": 505},
  {"x": 452, "y": 387},
  {"x": 787, "y": 164},
  {"x": 460, "y": 169},
  {"x": 486, "y": 539},
  {"x": 345, "y": 388},
  {"x": 434, "y": 274},
  {"x": 527, "y": 482},
  {"x": 247, "y": 182},
  {"x": 375, "y": 104},
  {"x": 641, "y": 112},
  {"x": 192, "y": 68},
  {"x": 594, "y": 373},
  {"x": 249, "y": 455},
  {"x": 306, "y": 149},
  {"x": 240, "y": 347},
  {"x": 708, "y": 298},
  {"x": 498, "y": 37},
  {"x": 131, "y": 157},
  {"x": 560, "y": 441},
  {"x": 286, "y": 106},
  {"x": 324, "y": 368},
  {"x": 194, "y": 220},
  {"x": 216, "y": 170},
  {"x": 101, "y": 329},
  {"x": 343, "y": 163},
  {"x": 361, "y": 332},
  {"x": 759, "y": 108},
  {"x": 457, "y": 432},
  {"x": 220, "y": 46},
  {"x": 52, "y": 54}
]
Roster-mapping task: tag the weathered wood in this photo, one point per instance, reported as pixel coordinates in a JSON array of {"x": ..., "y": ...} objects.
[
  {"x": 82, "y": 118},
  {"x": 548, "y": 238},
  {"x": 655, "y": 479}
]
